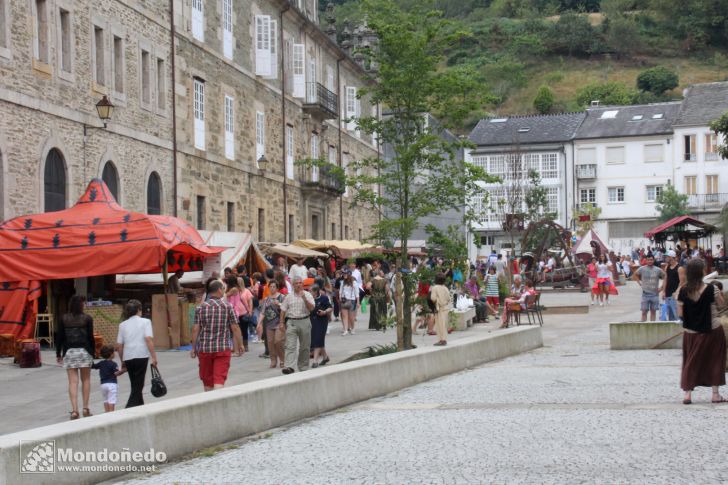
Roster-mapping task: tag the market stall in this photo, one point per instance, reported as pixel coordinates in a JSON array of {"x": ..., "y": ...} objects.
[
  {"x": 42, "y": 254},
  {"x": 682, "y": 228},
  {"x": 591, "y": 245},
  {"x": 342, "y": 249},
  {"x": 291, "y": 252}
]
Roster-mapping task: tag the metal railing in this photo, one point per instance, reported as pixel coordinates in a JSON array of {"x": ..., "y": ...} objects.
[
  {"x": 712, "y": 157},
  {"x": 707, "y": 201},
  {"x": 586, "y": 171},
  {"x": 321, "y": 177},
  {"x": 690, "y": 157},
  {"x": 317, "y": 96}
]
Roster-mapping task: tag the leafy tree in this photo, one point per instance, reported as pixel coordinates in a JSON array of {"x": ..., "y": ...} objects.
[
  {"x": 698, "y": 23},
  {"x": 720, "y": 127},
  {"x": 671, "y": 204},
  {"x": 621, "y": 35},
  {"x": 450, "y": 243},
  {"x": 419, "y": 179},
  {"x": 572, "y": 35},
  {"x": 657, "y": 80},
  {"x": 610, "y": 93},
  {"x": 544, "y": 100},
  {"x": 583, "y": 226}
]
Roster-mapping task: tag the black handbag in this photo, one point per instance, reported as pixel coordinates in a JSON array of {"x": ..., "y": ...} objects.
[{"x": 159, "y": 389}]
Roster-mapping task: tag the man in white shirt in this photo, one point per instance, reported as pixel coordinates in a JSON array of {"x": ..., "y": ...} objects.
[
  {"x": 551, "y": 264},
  {"x": 356, "y": 274},
  {"x": 298, "y": 270},
  {"x": 500, "y": 265}
]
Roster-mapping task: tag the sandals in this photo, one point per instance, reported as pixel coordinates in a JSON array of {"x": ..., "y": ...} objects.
[
  {"x": 86, "y": 412},
  {"x": 74, "y": 415},
  {"x": 719, "y": 400},
  {"x": 687, "y": 401}
]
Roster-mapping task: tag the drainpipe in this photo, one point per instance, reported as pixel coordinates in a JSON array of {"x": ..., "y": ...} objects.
[
  {"x": 174, "y": 107},
  {"x": 341, "y": 152},
  {"x": 281, "y": 46}
]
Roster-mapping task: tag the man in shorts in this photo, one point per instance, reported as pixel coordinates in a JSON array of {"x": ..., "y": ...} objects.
[
  {"x": 215, "y": 325},
  {"x": 648, "y": 277}
]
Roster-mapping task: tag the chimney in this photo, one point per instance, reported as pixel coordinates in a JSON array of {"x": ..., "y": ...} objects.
[{"x": 595, "y": 103}]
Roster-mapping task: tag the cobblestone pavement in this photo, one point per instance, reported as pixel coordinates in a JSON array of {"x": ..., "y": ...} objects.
[{"x": 571, "y": 412}]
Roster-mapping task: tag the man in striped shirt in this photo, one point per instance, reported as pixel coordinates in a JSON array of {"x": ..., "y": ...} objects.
[{"x": 215, "y": 325}]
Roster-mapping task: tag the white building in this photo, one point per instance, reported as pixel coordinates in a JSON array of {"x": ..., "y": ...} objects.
[
  {"x": 699, "y": 170},
  {"x": 624, "y": 159},
  {"x": 516, "y": 145}
]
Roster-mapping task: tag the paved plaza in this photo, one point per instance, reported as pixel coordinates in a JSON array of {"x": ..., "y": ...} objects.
[{"x": 570, "y": 412}]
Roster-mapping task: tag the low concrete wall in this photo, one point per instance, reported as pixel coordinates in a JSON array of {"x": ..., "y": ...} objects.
[
  {"x": 565, "y": 309},
  {"x": 186, "y": 424},
  {"x": 644, "y": 335}
]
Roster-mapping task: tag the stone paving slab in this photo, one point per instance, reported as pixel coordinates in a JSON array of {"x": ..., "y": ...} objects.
[{"x": 571, "y": 412}]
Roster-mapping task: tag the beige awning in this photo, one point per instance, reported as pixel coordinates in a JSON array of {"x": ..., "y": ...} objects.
[
  {"x": 291, "y": 251},
  {"x": 340, "y": 248}
]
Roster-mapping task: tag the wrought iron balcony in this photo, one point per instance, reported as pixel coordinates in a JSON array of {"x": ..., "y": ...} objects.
[
  {"x": 707, "y": 202},
  {"x": 320, "y": 102},
  {"x": 321, "y": 180},
  {"x": 712, "y": 156},
  {"x": 586, "y": 172},
  {"x": 690, "y": 157}
]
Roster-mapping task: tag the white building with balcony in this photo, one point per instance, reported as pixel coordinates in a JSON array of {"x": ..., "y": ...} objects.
[
  {"x": 700, "y": 172},
  {"x": 509, "y": 148},
  {"x": 624, "y": 159}
]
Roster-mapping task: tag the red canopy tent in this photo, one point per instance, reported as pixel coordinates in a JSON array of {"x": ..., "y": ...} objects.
[
  {"x": 679, "y": 228},
  {"x": 94, "y": 237}
]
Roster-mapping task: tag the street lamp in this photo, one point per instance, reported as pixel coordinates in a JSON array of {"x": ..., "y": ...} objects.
[
  {"x": 262, "y": 163},
  {"x": 104, "y": 108}
]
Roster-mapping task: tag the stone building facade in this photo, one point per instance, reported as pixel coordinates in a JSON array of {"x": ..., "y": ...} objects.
[{"x": 246, "y": 80}]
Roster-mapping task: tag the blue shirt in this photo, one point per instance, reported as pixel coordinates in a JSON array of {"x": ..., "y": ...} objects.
[{"x": 107, "y": 371}]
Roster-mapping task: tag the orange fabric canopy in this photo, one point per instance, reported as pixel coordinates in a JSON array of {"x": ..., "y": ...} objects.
[{"x": 96, "y": 237}]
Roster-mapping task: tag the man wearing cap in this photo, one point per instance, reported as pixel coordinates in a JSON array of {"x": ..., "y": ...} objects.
[
  {"x": 296, "y": 323},
  {"x": 670, "y": 284}
]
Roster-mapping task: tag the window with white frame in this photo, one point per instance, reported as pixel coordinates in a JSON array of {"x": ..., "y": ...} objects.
[
  {"x": 330, "y": 79},
  {"x": 199, "y": 113},
  {"x": 352, "y": 107},
  {"x": 552, "y": 200},
  {"x": 654, "y": 153},
  {"x": 615, "y": 195},
  {"x": 549, "y": 166},
  {"x": 653, "y": 192},
  {"x": 332, "y": 155},
  {"x": 480, "y": 161},
  {"x": 198, "y": 20},
  {"x": 289, "y": 152},
  {"x": 41, "y": 44},
  {"x": 532, "y": 161},
  {"x": 691, "y": 185},
  {"x": 117, "y": 64},
  {"x": 99, "y": 55},
  {"x": 273, "y": 50},
  {"x": 262, "y": 45},
  {"x": 480, "y": 209},
  {"x": 229, "y": 128},
  {"x": 227, "y": 28},
  {"x": 146, "y": 75},
  {"x": 161, "y": 84},
  {"x": 711, "y": 184},
  {"x": 259, "y": 136},
  {"x": 615, "y": 154},
  {"x": 314, "y": 156},
  {"x": 497, "y": 165},
  {"x": 65, "y": 37},
  {"x": 588, "y": 196},
  {"x": 299, "y": 70}
]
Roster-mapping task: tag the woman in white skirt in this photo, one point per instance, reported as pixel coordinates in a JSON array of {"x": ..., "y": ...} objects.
[{"x": 74, "y": 349}]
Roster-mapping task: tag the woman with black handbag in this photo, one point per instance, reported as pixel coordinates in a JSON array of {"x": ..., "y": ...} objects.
[{"x": 136, "y": 347}]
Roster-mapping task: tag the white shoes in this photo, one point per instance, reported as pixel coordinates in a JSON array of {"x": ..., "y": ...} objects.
[
  {"x": 343, "y": 334},
  {"x": 592, "y": 303},
  {"x": 351, "y": 332}
]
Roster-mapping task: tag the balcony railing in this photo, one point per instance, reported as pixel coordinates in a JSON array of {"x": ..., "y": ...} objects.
[
  {"x": 321, "y": 102},
  {"x": 322, "y": 179},
  {"x": 707, "y": 202},
  {"x": 711, "y": 157},
  {"x": 690, "y": 157},
  {"x": 584, "y": 172}
]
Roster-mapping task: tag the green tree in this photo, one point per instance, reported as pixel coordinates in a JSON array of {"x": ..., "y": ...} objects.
[
  {"x": 720, "y": 127},
  {"x": 449, "y": 243},
  {"x": 671, "y": 204},
  {"x": 419, "y": 179},
  {"x": 583, "y": 226},
  {"x": 609, "y": 93},
  {"x": 572, "y": 34},
  {"x": 697, "y": 23},
  {"x": 657, "y": 80},
  {"x": 544, "y": 100}
]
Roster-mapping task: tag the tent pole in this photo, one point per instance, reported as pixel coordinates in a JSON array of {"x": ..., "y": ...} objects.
[{"x": 165, "y": 275}]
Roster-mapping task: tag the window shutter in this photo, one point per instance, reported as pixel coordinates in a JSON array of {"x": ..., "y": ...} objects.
[
  {"x": 351, "y": 107},
  {"x": 259, "y": 135},
  {"x": 314, "y": 156},
  {"x": 227, "y": 28},
  {"x": 273, "y": 50},
  {"x": 229, "y": 129},
  {"x": 311, "y": 94},
  {"x": 299, "y": 71},
  {"x": 198, "y": 20},
  {"x": 262, "y": 45},
  {"x": 330, "y": 82},
  {"x": 289, "y": 153},
  {"x": 199, "y": 114}
]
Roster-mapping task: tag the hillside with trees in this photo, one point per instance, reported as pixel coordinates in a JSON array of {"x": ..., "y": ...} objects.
[{"x": 558, "y": 55}]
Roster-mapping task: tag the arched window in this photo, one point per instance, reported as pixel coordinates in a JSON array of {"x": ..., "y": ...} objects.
[
  {"x": 154, "y": 194},
  {"x": 111, "y": 178},
  {"x": 54, "y": 182}
]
